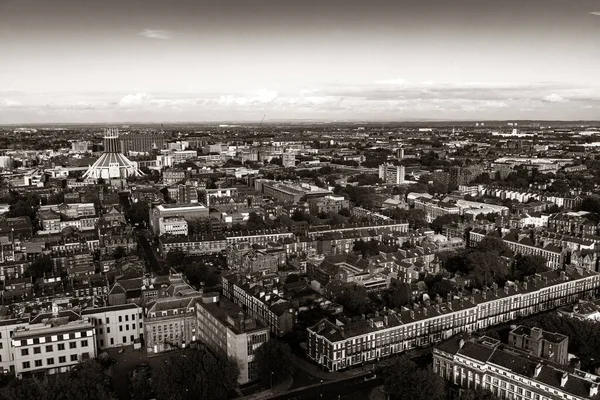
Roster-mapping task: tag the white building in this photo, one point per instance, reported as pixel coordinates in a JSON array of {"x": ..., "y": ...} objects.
[
  {"x": 172, "y": 226},
  {"x": 116, "y": 326},
  {"x": 390, "y": 173},
  {"x": 52, "y": 343}
]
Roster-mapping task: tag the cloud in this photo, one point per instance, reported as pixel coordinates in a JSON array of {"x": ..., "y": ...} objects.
[
  {"x": 595, "y": 13},
  {"x": 555, "y": 98},
  {"x": 156, "y": 34},
  {"x": 261, "y": 96},
  {"x": 393, "y": 82},
  {"x": 134, "y": 100},
  {"x": 8, "y": 103}
]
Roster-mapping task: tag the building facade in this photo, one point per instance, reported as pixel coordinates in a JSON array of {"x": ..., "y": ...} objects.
[
  {"x": 227, "y": 331},
  {"x": 339, "y": 346}
]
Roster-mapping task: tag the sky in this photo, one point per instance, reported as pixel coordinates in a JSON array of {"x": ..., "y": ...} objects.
[{"x": 239, "y": 60}]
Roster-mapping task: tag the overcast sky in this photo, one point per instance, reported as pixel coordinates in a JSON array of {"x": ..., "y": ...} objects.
[{"x": 198, "y": 60}]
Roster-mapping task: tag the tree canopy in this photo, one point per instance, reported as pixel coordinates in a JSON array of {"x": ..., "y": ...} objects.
[
  {"x": 85, "y": 381},
  {"x": 195, "y": 374},
  {"x": 404, "y": 380},
  {"x": 273, "y": 361}
]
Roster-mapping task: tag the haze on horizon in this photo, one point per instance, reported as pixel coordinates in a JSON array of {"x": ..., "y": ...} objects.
[{"x": 237, "y": 60}]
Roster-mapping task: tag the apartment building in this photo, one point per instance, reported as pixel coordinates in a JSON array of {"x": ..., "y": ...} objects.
[
  {"x": 227, "y": 331},
  {"x": 170, "y": 323},
  {"x": 390, "y": 173},
  {"x": 435, "y": 208},
  {"x": 328, "y": 204},
  {"x": 248, "y": 258},
  {"x": 344, "y": 344},
  {"x": 550, "y": 346},
  {"x": 116, "y": 326},
  {"x": 52, "y": 343},
  {"x": 196, "y": 244},
  {"x": 524, "y": 245},
  {"x": 186, "y": 211},
  {"x": 508, "y": 372},
  {"x": 376, "y": 227},
  {"x": 8, "y": 325},
  {"x": 172, "y": 226},
  {"x": 261, "y": 298}
]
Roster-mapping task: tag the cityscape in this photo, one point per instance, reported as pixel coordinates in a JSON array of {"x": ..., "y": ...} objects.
[{"x": 261, "y": 200}]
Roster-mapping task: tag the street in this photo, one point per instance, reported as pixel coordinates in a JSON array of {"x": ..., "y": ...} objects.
[{"x": 352, "y": 389}]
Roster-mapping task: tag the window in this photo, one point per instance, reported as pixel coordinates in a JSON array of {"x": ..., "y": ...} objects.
[
  {"x": 24, "y": 352},
  {"x": 73, "y": 357},
  {"x": 49, "y": 348},
  {"x": 50, "y": 361},
  {"x": 84, "y": 343},
  {"x": 61, "y": 346},
  {"x": 126, "y": 327},
  {"x": 107, "y": 320},
  {"x": 127, "y": 318},
  {"x": 112, "y": 341},
  {"x": 133, "y": 317},
  {"x": 120, "y": 328},
  {"x": 62, "y": 359},
  {"x": 26, "y": 365},
  {"x": 120, "y": 318},
  {"x": 38, "y": 363},
  {"x": 72, "y": 345},
  {"x": 124, "y": 339},
  {"x": 108, "y": 329},
  {"x": 37, "y": 350}
]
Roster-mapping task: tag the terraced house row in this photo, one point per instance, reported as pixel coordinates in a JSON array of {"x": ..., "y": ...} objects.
[{"x": 340, "y": 345}]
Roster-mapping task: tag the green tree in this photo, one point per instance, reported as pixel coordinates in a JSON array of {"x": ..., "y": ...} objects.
[
  {"x": 195, "y": 374},
  {"x": 274, "y": 362},
  {"x": 403, "y": 380}
]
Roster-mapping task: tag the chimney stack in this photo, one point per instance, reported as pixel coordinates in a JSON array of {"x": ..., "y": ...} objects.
[{"x": 564, "y": 378}]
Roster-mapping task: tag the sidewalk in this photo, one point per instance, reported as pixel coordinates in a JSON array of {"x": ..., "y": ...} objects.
[
  {"x": 278, "y": 389},
  {"x": 316, "y": 371}
]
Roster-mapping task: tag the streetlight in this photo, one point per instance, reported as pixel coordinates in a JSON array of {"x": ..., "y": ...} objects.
[{"x": 321, "y": 389}]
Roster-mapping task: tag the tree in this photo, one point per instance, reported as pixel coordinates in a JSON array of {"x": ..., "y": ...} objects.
[
  {"x": 354, "y": 299},
  {"x": 490, "y": 244},
  {"x": 591, "y": 204},
  {"x": 404, "y": 380},
  {"x": 528, "y": 265},
  {"x": 344, "y": 212},
  {"x": 40, "y": 267},
  {"x": 140, "y": 384},
  {"x": 273, "y": 361},
  {"x": 438, "y": 223},
  {"x": 175, "y": 258},
  {"x": 139, "y": 212},
  {"x": 85, "y": 381},
  {"x": 255, "y": 222},
  {"x": 195, "y": 374},
  {"x": 398, "y": 295},
  {"x": 119, "y": 252}
]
